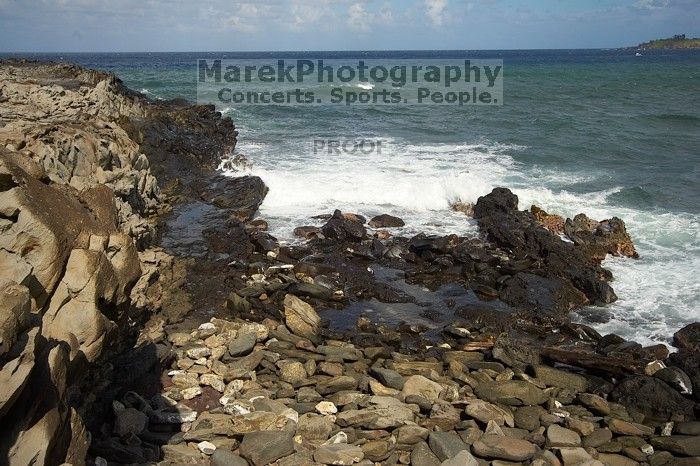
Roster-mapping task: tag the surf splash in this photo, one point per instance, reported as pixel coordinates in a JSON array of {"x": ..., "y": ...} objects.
[{"x": 420, "y": 182}]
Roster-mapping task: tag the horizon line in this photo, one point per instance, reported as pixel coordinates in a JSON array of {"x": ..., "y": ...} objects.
[{"x": 327, "y": 51}]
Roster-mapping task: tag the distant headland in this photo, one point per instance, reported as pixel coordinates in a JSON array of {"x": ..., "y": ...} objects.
[{"x": 679, "y": 41}]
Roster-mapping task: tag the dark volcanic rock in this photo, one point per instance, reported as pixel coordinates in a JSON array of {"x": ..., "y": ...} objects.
[
  {"x": 241, "y": 195},
  {"x": 229, "y": 238},
  {"x": 689, "y": 362},
  {"x": 688, "y": 337},
  {"x": 264, "y": 242},
  {"x": 676, "y": 378},
  {"x": 553, "y": 296},
  {"x": 436, "y": 244},
  {"x": 342, "y": 228},
  {"x": 386, "y": 221},
  {"x": 653, "y": 398},
  {"x": 520, "y": 233}
]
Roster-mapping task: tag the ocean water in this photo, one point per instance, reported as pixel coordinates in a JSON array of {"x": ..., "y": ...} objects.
[{"x": 603, "y": 132}]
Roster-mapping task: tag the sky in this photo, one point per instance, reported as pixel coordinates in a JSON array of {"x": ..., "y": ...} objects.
[{"x": 294, "y": 25}]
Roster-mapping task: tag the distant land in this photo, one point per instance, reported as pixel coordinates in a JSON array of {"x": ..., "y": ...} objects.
[{"x": 676, "y": 42}]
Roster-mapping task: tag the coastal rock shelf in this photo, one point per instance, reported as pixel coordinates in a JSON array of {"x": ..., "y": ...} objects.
[
  {"x": 148, "y": 317},
  {"x": 78, "y": 210}
]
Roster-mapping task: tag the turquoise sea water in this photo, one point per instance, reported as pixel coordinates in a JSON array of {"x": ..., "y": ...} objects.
[{"x": 603, "y": 132}]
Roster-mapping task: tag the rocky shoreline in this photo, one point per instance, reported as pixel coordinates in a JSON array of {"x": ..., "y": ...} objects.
[{"x": 148, "y": 317}]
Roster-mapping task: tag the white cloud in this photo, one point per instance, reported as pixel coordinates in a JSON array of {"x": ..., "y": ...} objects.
[
  {"x": 358, "y": 18},
  {"x": 305, "y": 13},
  {"x": 652, "y": 4},
  {"x": 238, "y": 23},
  {"x": 435, "y": 10}
]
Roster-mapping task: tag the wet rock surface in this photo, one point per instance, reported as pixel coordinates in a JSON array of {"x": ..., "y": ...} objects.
[{"x": 178, "y": 331}]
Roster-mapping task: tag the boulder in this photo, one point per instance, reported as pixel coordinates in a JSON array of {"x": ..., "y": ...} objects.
[
  {"x": 210, "y": 426},
  {"x": 386, "y": 221},
  {"x": 611, "y": 459},
  {"x": 242, "y": 195},
  {"x": 344, "y": 229},
  {"x": 422, "y": 455},
  {"x": 654, "y": 398},
  {"x": 130, "y": 421},
  {"x": 684, "y": 445},
  {"x": 242, "y": 345},
  {"x": 463, "y": 458},
  {"x": 388, "y": 377},
  {"x": 557, "y": 378},
  {"x": 338, "y": 453},
  {"x": 687, "y": 428},
  {"x": 410, "y": 435},
  {"x": 262, "y": 448},
  {"x": 76, "y": 313},
  {"x": 597, "y": 438},
  {"x": 292, "y": 371},
  {"x": 300, "y": 317},
  {"x": 676, "y": 378},
  {"x": 223, "y": 457},
  {"x": 620, "y": 427},
  {"x": 528, "y": 417},
  {"x": 15, "y": 373},
  {"x": 378, "y": 450},
  {"x": 336, "y": 384},
  {"x": 237, "y": 304},
  {"x": 308, "y": 232},
  {"x": 688, "y": 337},
  {"x": 595, "y": 403},
  {"x": 422, "y": 386},
  {"x": 504, "y": 448},
  {"x": 552, "y": 222},
  {"x": 485, "y": 412},
  {"x": 558, "y": 436},
  {"x": 258, "y": 421},
  {"x": 551, "y": 297},
  {"x": 314, "y": 427},
  {"x": 511, "y": 392},
  {"x": 376, "y": 418},
  {"x": 446, "y": 444},
  {"x": 576, "y": 456}
]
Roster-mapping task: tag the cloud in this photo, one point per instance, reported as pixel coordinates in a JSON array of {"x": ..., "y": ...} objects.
[
  {"x": 306, "y": 13},
  {"x": 358, "y": 18},
  {"x": 652, "y": 4},
  {"x": 435, "y": 10}
]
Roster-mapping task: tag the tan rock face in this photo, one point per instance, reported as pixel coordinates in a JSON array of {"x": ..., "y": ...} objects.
[
  {"x": 77, "y": 198},
  {"x": 15, "y": 309},
  {"x": 72, "y": 133},
  {"x": 301, "y": 318},
  {"x": 91, "y": 283},
  {"x": 70, "y": 257},
  {"x": 75, "y": 192}
]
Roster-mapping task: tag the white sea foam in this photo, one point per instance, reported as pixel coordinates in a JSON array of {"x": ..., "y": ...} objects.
[
  {"x": 657, "y": 293},
  {"x": 358, "y": 85}
]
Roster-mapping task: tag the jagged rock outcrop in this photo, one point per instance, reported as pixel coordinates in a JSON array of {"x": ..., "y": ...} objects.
[
  {"x": 67, "y": 271},
  {"x": 519, "y": 232},
  {"x": 79, "y": 210},
  {"x": 67, "y": 120}
]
